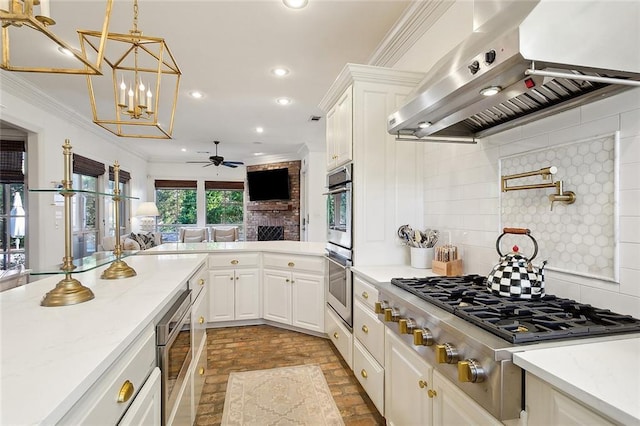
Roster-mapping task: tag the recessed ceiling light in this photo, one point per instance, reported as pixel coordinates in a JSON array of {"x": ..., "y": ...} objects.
[
  {"x": 283, "y": 101},
  {"x": 424, "y": 124},
  {"x": 195, "y": 94},
  {"x": 184, "y": 150},
  {"x": 258, "y": 153},
  {"x": 64, "y": 51},
  {"x": 490, "y": 91},
  {"x": 280, "y": 72},
  {"x": 259, "y": 129},
  {"x": 295, "y": 4}
]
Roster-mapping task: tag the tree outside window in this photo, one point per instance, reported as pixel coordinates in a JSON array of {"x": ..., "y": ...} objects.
[
  {"x": 177, "y": 207},
  {"x": 225, "y": 207}
]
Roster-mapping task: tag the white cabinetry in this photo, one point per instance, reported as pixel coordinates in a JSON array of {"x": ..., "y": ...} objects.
[
  {"x": 340, "y": 336},
  {"x": 368, "y": 343},
  {"x": 294, "y": 290},
  {"x": 234, "y": 288},
  {"x": 387, "y": 175},
  {"x": 199, "y": 313},
  {"x": 340, "y": 131},
  {"x": 548, "y": 406},
  {"x": 146, "y": 409}
]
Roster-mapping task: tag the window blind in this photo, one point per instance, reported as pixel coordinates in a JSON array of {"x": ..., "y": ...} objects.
[
  {"x": 222, "y": 185},
  {"x": 11, "y": 161},
  {"x": 175, "y": 184},
  {"x": 86, "y": 166}
]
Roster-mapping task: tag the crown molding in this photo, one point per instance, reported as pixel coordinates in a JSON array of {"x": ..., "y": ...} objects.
[
  {"x": 419, "y": 17},
  {"x": 17, "y": 86}
]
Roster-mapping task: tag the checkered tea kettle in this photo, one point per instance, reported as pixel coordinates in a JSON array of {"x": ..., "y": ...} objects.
[{"x": 515, "y": 275}]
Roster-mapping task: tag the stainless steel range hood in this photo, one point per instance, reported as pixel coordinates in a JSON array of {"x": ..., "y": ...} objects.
[{"x": 543, "y": 56}]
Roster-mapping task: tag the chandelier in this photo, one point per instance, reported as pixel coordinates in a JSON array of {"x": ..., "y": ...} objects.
[
  {"x": 17, "y": 17},
  {"x": 141, "y": 107}
]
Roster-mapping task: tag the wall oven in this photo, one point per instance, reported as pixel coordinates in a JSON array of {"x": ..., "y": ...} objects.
[
  {"x": 173, "y": 334},
  {"x": 339, "y": 243}
]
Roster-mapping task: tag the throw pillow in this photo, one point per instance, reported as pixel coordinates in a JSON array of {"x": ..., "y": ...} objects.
[
  {"x": 145, "y": 240},
  {"x": 130, "y": 244}
]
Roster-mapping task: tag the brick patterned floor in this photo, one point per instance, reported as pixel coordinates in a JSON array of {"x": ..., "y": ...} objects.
[{"x": 260, "y": 347}]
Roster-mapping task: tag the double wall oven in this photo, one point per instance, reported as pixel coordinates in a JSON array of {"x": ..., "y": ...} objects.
[{"x": 339, "y": 242}]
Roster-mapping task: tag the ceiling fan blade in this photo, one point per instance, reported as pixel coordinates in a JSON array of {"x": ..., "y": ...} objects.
[
  {"x": 197, "y": 162},
  {"x": 210, "y": 164},
  {"x": 228, "y": 164},
  {"x": 238, "y": 163}
]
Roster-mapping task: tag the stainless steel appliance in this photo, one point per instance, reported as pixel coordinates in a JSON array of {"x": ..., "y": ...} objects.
[
  {"x": 339, "y": 199},
  {"x": 533, "y": 65},
  {"x": 339, "y": 243},
  {"x": 173, "y": 334},
  {"x": 469, "y": 334}
]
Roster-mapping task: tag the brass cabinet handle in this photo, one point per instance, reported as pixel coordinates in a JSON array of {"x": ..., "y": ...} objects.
[
  {"x": 201, "y": 281},
  {"x": 292, "y": 281},
  {"x": 365, "y": 294},
  {"x": 201, "y": 371},
  {"x": 291, "y": 264},
  {"x": 287, "y": 280},
  {"x": 432, "y": 393},
  {"x": 422, "y": 384},
  {"x": 231, "y": 278},
  {"x": 234, "y": 262},
  {"x": 336, "y": 335},
  {"x": 365, "y": 328},
  {"x": 126, "y": 391},
  {"x": 363, "y": 373},
  {"x": 201, "y": 320}
]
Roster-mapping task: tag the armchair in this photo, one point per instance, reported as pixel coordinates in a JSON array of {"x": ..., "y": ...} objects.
[
  {"x": 224, "y": 234},
  {"x": 193, "y": 235}
]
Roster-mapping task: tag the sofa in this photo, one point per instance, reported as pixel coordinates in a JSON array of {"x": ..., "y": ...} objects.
[{"x": 133, "y": 241}]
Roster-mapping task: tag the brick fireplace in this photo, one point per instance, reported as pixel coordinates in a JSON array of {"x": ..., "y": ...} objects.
[{"x": 268, "y": 217}]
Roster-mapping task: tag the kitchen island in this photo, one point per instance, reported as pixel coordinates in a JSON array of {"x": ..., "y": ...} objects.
[
  {"x": 51, "y": 356},
  {"x": 282, "y": 246}
]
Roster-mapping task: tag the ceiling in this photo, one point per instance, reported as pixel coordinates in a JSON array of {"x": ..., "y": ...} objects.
[{"x": 227, "y": 50}]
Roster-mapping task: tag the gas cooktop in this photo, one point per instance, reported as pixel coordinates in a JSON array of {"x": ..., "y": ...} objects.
[{"x": 517, "y": 320}]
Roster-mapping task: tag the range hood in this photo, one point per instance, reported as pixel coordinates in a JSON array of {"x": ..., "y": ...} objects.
[{"x": 542, "y": 57}]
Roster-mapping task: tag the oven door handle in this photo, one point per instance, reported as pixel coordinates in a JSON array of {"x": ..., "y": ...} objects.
[
  {"x": 335, "y": 191},
  {"x": 347, "y": 263}
]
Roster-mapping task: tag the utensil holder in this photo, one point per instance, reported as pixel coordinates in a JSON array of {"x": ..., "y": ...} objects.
[
  {"x": 447, "y": 269},
  {"x": 421, "y": 257}
]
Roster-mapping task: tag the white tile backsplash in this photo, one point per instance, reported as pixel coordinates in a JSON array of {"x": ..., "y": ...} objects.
[{"x": 474, "y": 223}]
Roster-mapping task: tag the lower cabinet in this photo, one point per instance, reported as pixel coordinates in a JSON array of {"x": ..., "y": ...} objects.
[
  {"x": 234, "y": 286},
  {"x": 548, "y": 406},
  {"x": 146, "y": 409},
  {"x": 370, "y": 374},
  {"x": 340, "y": 336}
]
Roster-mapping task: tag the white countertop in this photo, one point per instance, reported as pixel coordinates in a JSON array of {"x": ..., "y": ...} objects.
[
  {"x": 604, "y": 376},
  {"x": 384, "y": 273},
  {"x": 50, "y": 356},
  {"x": 292, "y": 247}
]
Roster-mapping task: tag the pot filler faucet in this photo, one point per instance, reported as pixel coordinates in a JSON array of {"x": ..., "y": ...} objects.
[{"x": 567, "y": 197}]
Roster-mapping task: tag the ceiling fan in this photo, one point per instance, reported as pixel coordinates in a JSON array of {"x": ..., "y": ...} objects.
[{"x": 217, "y": 160}]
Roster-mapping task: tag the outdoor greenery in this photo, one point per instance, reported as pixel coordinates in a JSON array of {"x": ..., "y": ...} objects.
[{"x": 224, "y": 207}]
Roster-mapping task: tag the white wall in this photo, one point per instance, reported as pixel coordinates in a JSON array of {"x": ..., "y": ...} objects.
[
  {"x": 48, "y": 124},
  {"x": 462, "y": 182},
  {"x": 316, "y": 202}
]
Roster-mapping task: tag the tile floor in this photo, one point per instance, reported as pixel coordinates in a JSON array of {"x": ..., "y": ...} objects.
[{"x": 263, "y": 346}]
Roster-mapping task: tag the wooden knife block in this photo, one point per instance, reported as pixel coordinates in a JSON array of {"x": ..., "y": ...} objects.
[{"x": 448, "y": 269}]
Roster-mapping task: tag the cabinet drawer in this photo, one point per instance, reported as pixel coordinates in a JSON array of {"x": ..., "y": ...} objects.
[
  {"x": 199, "y": 319},
  {"x": 370, "y": 375},
  {"x": 365, "y": 292},
  {"x": 369, "y": 330},
  {"x": 233, "y": 260},
  {"x": 340, "y": 336},
  {"x": 100, "y": 404},
  {"x": 307, "y": 263},
  {"x": 199, "y": 281},
  {"x": 199, "y": 370}
]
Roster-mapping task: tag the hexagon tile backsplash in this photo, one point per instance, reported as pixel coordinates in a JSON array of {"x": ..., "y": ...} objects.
[{"x": 580, "y": 237}]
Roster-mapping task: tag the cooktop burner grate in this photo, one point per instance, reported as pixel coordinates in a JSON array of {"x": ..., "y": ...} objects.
[{"x": 517, "y": 320}]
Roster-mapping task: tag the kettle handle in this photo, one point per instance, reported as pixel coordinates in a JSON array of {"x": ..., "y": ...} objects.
[{"x": 518, "y": 231}]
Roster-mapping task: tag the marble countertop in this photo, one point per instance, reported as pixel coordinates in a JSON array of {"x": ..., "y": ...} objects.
[
  {"x": 291, "y": 247},
  {"x": 384, "y": 273},
  {"x": 50, "y": 356},
  {"x": 602, "y": 375}
]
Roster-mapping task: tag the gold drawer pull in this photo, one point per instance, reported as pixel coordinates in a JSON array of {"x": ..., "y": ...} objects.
[
  {"x": 201, "y": 371},
  {"x": 234, "y": 262},
  {"x": 365, "y": 294},
  {"x": 422, "y": 384},
  {"x": 126, "y": 391},
  {"x": 365, "y": 328},
  {"x": 363, "y": 373},
  {"x": 432, "y": 393},
  {"x": 231, "y": 278},
  {"x": 287, "y": 280},
  {"x": 201, "y": 281},
  {"x": 336, "y": 335},
  {"x": 201, "y": 320},
  {"x": 291, "y": 264}
]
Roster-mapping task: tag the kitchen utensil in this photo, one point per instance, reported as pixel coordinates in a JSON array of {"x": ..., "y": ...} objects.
[{"x": 515, "y": 275}]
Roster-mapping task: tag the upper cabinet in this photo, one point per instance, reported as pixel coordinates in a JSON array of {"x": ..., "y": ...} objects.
[{"x": 340, "y": 131}]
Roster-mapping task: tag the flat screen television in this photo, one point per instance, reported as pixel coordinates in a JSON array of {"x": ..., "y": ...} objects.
[{"x": 268, "y": 184}]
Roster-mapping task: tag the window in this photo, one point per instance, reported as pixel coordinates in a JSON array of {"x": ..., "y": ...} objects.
[
  {"x": 85, "y": 213},
  {"x": 224, "y": 204},
  {"x": 13, "y": 211},
  {"x": 176, "y": 201},
  {"x": 125, "y": 205}
]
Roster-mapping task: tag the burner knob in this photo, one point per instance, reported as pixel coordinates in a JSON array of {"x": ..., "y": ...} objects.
[
  {"x": 381, "y": 306},
  {"x": 446, "y": 354},
  {"x": 406, "y": 326},
  {"x": 470, "y": 370},
  {"x": 422, "y": 336},
  {"x": 391, "y": 314}
]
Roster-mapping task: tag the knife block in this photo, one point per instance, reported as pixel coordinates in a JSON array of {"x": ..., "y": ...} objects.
[{"x": 447, "y": 269}]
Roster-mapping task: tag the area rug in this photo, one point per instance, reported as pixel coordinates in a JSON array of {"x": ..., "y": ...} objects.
[{"x": 280, "y": 396}]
